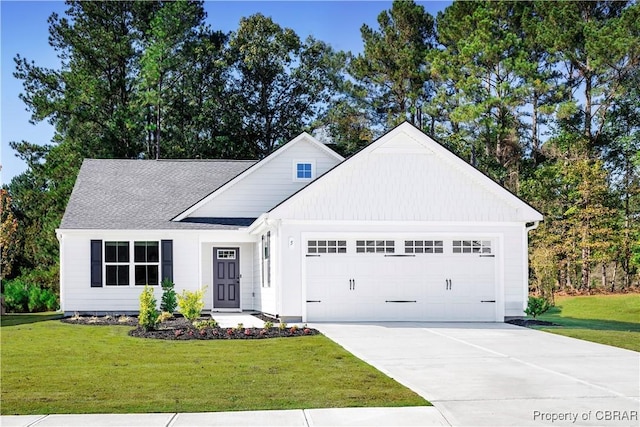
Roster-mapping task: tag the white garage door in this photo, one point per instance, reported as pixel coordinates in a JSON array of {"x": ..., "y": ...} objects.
[{"x": 431, "y": 279}]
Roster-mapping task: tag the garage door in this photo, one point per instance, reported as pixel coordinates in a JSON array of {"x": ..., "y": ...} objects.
[{"x": 428, "y": 279}]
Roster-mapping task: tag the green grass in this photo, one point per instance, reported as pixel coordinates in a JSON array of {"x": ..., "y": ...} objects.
[
  {"x": 52, "y": 367},
  {"x": 606, "y": 319}
]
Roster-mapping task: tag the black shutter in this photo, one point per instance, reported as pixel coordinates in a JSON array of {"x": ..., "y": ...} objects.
[
  {"x": 167, "y": 259},
  {"x": 96, "y": 263}
]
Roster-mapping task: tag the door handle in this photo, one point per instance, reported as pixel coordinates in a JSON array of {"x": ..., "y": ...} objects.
[
  {"x": 354, "y": 284},
  {"x": 447, "y": 282},
  {"x": 450, "y": 284},
  {"x": 350, "y": 284}
]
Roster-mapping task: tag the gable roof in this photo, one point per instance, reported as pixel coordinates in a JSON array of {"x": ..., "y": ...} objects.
[
  {"x": 253, "y": 169},
  {"x": 145, "y": 194},
  {"x": 384, "y": 144}
]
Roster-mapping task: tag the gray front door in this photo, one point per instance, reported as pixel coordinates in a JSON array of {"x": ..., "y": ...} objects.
[{"x": 226, "y": 278}]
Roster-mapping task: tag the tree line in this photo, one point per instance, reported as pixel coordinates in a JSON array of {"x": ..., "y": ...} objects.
[{"x": 541, "y": 96}]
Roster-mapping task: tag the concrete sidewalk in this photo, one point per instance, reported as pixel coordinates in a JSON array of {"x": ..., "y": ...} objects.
[{"x": 409, "y": 416}]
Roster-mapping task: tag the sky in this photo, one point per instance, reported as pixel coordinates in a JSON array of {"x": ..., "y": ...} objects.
[{"x": 24, "y": 30}]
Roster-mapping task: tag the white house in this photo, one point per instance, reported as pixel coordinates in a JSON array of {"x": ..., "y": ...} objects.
[{"x": 404, "y": 230}]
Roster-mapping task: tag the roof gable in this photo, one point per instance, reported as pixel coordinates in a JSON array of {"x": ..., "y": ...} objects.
[
  {"x": 405, "y": 176},
  {"x": 266, "y": 183}
]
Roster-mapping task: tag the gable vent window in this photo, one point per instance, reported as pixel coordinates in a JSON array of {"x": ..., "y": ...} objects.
[
  {"x": 375, "y": 246},
  {"x": 116, "y": 260},
  {"x": 303, "y": 170},
  {"x": 147, "y": 260},
  {"x": 423, "y": 247},
  {"x": 327, "y": 247},
  {"x": 471, "y": 247}
]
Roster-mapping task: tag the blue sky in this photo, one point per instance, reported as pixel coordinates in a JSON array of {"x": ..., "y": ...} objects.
[{"x": 24, "y": 30}]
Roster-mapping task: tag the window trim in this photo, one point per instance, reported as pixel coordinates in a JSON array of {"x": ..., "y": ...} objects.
[
  {"x": 116, "y": 263},
  {"x": 146, "y": 263},
  {"x": 131, "y": 262},
  {"x": 297, "y": 162}
]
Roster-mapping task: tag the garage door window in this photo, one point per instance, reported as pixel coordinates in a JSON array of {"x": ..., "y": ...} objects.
[
  {"x": 375, "y": 246},
  {"x": 327, "y": 247},
  {"x": 471, "y": 247},
  {"x": 423, "y": 247}
]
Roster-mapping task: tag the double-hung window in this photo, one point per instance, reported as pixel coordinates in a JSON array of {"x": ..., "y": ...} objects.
[
  {"x": 116, "y": 259},
  {"x": 146, "y": 256}
]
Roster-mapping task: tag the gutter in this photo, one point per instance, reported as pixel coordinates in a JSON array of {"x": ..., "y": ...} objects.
[{"x": 533, "y": 226}]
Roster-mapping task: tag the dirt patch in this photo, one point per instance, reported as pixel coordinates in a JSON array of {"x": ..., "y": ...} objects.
[{"x": 181, "y": 329}]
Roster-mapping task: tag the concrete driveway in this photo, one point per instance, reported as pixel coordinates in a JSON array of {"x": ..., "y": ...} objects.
[{"x": 500, "y": 374}]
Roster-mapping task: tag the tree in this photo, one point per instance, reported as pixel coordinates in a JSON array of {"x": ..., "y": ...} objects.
[
  {"x": 480, "y": 68},
  {"x": 162, "y": 64},
  {"x": 278, "y": 84},
  {"x": 90, "y": 98},
  {"x": 392, "y": 72},
  {"x": 8, "y": 235}
]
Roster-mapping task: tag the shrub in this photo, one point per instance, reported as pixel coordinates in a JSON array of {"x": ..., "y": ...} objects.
[
  {"x": 16, "y": 296},
  {"x": 282, "y": 326},
  {"x": 268, "y": 325},
  {"x": 21, "y": 296},
  {"x": 164, "y": 316},
  {"x": 148, "y": 317},
  {"x": 169, "y": 300},
  {"x": 537, "y": 306},
  {"x": 190, "y": 304},
  {"x": 204, "y": 324},
  {"x": 41, "y": 299}
]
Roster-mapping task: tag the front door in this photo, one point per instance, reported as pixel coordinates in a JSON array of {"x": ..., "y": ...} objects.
[{"x": 226, "y": 278}]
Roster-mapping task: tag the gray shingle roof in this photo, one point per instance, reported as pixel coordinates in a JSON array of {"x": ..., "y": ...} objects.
[{"x": 145, "y": 194}]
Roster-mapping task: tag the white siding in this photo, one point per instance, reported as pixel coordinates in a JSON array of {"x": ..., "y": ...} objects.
[
  {"x": 269, "y": 184},
  {"x": 398, "y": 187},
  {"x": 78, "y": 295},
  {"x": 405, "y": 176},
  {"x": 192, "y": 264}
]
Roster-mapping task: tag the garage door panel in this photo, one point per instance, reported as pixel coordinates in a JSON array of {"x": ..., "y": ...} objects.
[{"x": 421, "y": 286}]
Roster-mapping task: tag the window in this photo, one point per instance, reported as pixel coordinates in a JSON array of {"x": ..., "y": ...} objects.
[
  {"x": 327, "y": 247},
  {"x": 116, "y": 260},
  {"x": 226, "y": 254},
  {"x": 375, "y": 246},
  {"x": 423, "y": 247},
  {"x": 266, "y": 260},
  {"x": 471, "y": 247},
  {"x": 303, "y": 170},
  {"x": 147, "y": 258}
]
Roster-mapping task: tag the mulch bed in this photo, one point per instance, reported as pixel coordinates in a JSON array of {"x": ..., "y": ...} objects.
[
  {"x": 527, "y": 323},
  {"x": 181, "y": 329}
]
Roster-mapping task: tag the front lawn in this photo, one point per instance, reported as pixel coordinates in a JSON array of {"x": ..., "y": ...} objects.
[
  {"x": 52, "y": 367},
  {"x": 606, "y": 319}
]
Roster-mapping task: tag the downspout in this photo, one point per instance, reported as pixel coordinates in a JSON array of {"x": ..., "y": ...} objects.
[
  {"x": 525, "y": 255},
  {"x": 532, "y": 227}
]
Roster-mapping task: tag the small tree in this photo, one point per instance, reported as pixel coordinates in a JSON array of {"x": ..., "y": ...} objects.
[
  {"x": 148, "y": 317},
  {"x": 169, "y": 301},
  {"x": 190, "y": 304},
  {"x": 537, "y": 306}
]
